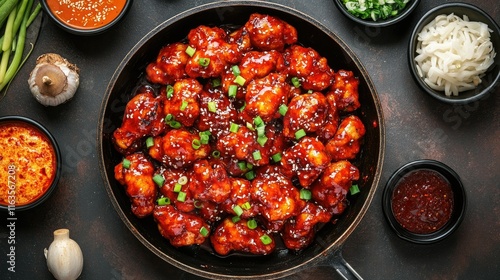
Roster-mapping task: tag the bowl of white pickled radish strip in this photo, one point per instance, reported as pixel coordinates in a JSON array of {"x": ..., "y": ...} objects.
[{"x": 454, "y": 53}]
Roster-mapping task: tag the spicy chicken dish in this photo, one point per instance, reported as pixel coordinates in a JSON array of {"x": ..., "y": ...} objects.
[{"x": 240, "y": 138}]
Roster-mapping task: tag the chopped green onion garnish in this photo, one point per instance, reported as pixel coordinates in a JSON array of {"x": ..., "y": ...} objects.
[
  {"x": 375, "y": 9},
  {"x": 181, "y": 196},
  {"x": 233, "y": 89},
  {"x": 204, "y": 231},
  {"x": 283, "y": 109},
  {"x": 261, "y": 131},
  {"x": 299, "y": 134},
  {"x": 150, "y": 142},
  {"x": 246, "y": 205},
  {"x": 196, "y": 144},
  {"x": 170, "y": 91},
  {"x": 204, "y": 61},
  {"x": 183, "y": 180},
  {"x": 177, "y": 187},
  {"x": 236, "y": 70},
  {"x": 252, "y": 224},
  {"x": 295, "y": 82},
  {"x": 305, "y": 194},
  {"x": 126, "y": 163},
  {"x": 243, "y": 107},
  {"x": 262, "y": 140},
  {"x": 266, "y": 240},
  {"x": 242, "y": 165},
  {"x": 250, "y": 126},
  {"x": 249, "y": 166},
  {"x": 174, "y": 124},
  {"x": 354, "y": 189},
  {"x": 235, "y": 219},
  {"x": 204, "y": 139},
  {"x": 250, "y": 175},
  {"x": 198, "y": 204},
  {"x": 234, "y": 128},
  {"x": 159, "y": 180},
  {"x": 190, "y": 50},
  {"x": 276, "y": 157},
  {"x": 216, "y": 83},
  {"x": 239, "y": 80},
  {"x": 169, "y": 117},
  {"x": 184, "y": 105},
  {"x": 256, "y": 155},
  {"x": 258, "y": 121},
  {"x": 237, "y": 210},
  {"x": 216, "y": 154},
  {"x": 212, "y": 106},
  {"x": 163, "y": 201}
]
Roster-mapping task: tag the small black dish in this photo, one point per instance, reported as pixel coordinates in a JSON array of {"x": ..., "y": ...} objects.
[
  {"x": 410, "y": 7},
  {"x": 459, "y": 201},
  {"x": 39, "y": 127},
  {"x": 492, "y": 76},
  {"x": 84, "y": 31}
]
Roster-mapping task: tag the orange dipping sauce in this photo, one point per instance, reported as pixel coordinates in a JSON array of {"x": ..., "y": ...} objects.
[
  {"x": 86, "y": 14},
  {"x": 28, "y": 163}
]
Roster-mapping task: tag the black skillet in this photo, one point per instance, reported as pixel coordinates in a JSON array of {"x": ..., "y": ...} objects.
[{"x": 328, "y": 242}]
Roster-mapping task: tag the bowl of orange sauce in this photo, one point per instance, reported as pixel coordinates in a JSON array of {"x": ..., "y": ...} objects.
[
  {"x": 30, "y": 163},
  {"x": 84, "y": 17}
]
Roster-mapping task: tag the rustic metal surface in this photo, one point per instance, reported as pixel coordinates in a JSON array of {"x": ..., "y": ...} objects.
[{"x": 464, "y": 137}]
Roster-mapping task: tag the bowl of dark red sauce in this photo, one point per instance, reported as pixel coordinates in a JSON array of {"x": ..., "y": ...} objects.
[
  {"x": 86, "y": 17},
  {"x": 424, "y": 201}
]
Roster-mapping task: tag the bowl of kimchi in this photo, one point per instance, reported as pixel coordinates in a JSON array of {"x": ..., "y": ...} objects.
[{"x": 210, "y": 126}]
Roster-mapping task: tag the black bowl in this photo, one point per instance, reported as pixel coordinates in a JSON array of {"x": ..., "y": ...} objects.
[
  {"x": 85, "y": 31},
  {"x": 459, "y": 201},
  {"x": 39, "y": 127},
  {"x": 201, "y": 261},
  {"x": 410, "y": 7},
  {"x": 492, "y": 77}
]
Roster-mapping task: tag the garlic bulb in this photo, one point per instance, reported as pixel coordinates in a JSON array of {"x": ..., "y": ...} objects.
[
  {"x": 53, "y": 80},
  {"x": 64, "y": 256}
]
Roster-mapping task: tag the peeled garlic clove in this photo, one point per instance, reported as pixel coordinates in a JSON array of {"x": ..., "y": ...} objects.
[
  {"x": 53, "y": 80},
  {"x": 64, "y": 256}
]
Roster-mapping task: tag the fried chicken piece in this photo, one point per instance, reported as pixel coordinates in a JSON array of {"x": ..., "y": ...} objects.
[
  {"x": 243, "y": 145},
  {"x": 171, "y": 188},
  {"x": 278, "y": 198},
  {"x": 241, "y": 38},
  {"x": 270, "y": 33},
  {"x": 264, "y": 97},
  {"x": 240, "y": 196},
  {"x": 299, "y": 231},
  {"x": 181, "y": 229},
  {"x": 331, "y": 189},
  {"x": 345, "y": 91},
  {"x": 143, "y": 116},
  {"x": 169, "y": 64},
  {"x": 138, "y": 181},
  {"x": 329, "y": 128},
  {"x": 238, "y": 237},
  {"x": 256, "y": 65},
  {"x": 175, "y": 149},
  {"x": 306, "y": 160},
  {"x": 346, "y": 143},
  {"x": 217, "y": 121},
  {"x": 213, "y": 54},
  {"x": 182, "y": 103},
  {"x": 308, "y": 66},
  {"x": 209, "y": 181},
  {"x": 307, "y": 112}
]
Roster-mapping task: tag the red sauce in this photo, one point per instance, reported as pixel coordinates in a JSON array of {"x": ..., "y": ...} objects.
[
  {"x": 422, "y": 201},
  {"x": 86, "y": 14}
]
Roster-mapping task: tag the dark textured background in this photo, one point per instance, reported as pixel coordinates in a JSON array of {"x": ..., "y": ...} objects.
[{"x": 467, "y": 138}]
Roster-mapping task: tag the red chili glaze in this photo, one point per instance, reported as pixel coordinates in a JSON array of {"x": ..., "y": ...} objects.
[{"x": 422, "y": 201}]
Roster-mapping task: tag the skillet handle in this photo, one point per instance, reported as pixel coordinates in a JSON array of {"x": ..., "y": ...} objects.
[{"x": 342, "y": 267}]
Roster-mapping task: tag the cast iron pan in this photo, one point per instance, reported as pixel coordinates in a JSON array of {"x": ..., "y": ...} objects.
[{"x": 198, "y": 260}]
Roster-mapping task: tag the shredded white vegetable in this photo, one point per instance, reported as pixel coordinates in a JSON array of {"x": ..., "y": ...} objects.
[{"x": 454, "y": 53}]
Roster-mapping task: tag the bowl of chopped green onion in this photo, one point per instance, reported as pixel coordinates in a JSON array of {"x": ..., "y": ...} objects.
[{"x": 376, "y": 13}]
